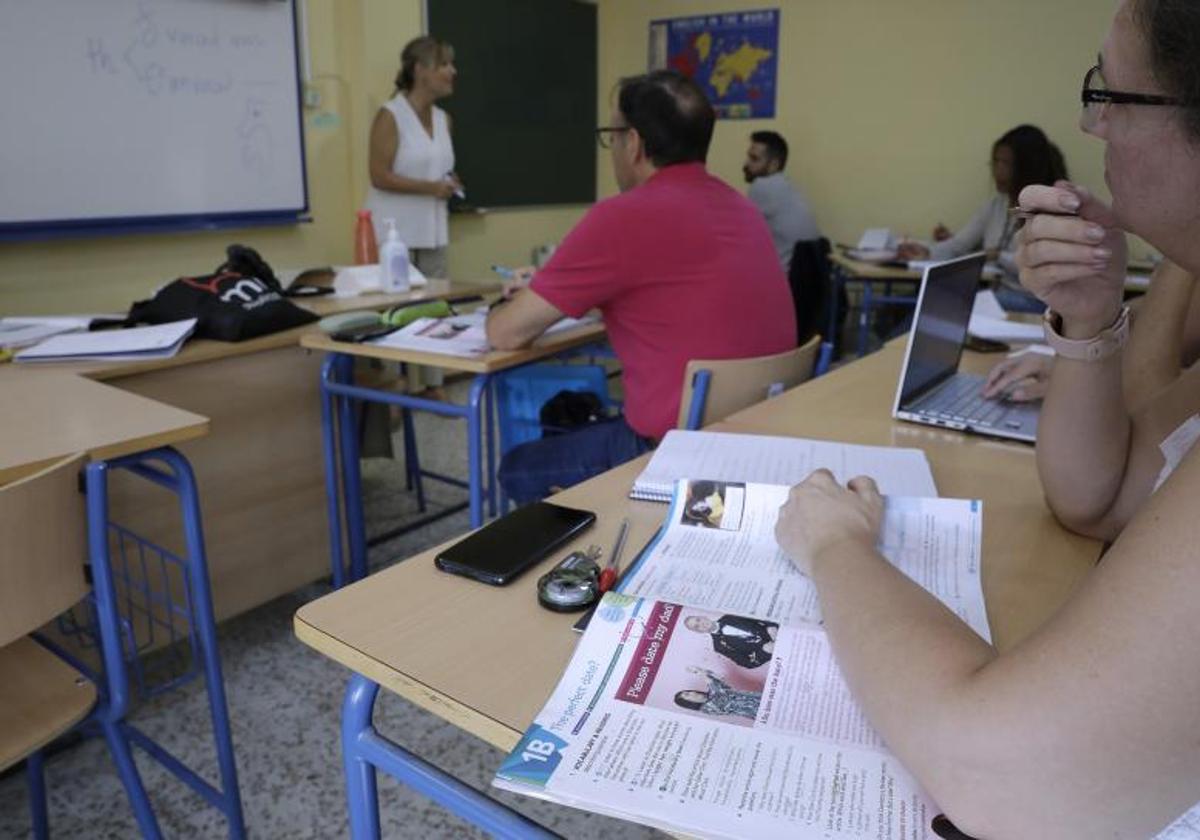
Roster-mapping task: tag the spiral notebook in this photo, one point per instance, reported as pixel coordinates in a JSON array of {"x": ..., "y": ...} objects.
[{"x": 720, "y": 456}]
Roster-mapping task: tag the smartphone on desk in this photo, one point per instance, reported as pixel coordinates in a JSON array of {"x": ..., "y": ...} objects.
[{"x": 501, "y": 550}]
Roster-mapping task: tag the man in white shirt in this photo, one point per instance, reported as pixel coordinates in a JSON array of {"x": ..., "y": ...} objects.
[{"x": 783, "y": 206}]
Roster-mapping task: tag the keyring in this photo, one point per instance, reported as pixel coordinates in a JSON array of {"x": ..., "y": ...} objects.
[{"x": 574, "y": 584}]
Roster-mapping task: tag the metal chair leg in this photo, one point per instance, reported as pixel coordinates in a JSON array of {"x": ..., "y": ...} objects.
[{"x": 35, "y": 774}]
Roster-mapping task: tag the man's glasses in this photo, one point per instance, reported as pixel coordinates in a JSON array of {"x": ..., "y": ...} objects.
[
  {"x": 605, "y": 134},
  {"x": 1097, "y": 97}
]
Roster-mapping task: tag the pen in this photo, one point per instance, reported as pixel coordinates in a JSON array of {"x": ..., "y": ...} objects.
[
  {"x": 608, "y": 577},
  {"x": 1019, "y": 212},
  {"x": 505, "y": 272},
  {"x": 458, "y": 192}
]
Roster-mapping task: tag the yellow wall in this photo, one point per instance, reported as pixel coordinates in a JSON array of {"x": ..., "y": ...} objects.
[{"x": 890, "y": 108}]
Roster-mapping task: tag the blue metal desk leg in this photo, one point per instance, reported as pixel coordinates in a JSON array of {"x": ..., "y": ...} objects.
[
  {"x": 114, "y": 695},
  {"x": 489, "y": 421},
  {"x": 474, "y": 445},
  {"x": 364, "y": 749},
  {"x": 356, "y": 529},
  {"x": 864, "y": 318},
  {"x": 206, "y": 626},
  {"x": 329, "y": 447}
]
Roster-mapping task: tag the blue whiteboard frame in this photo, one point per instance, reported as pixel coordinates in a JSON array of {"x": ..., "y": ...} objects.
[{"x": 127, "y": 225}]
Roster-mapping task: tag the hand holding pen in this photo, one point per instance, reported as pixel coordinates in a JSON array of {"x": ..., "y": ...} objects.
[
  {"x": 514, "y": 278},
  {"x": 1072, "y": 255}
]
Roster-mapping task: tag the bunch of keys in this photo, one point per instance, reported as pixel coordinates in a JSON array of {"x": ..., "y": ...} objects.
[{"x": 573, "y": 584}]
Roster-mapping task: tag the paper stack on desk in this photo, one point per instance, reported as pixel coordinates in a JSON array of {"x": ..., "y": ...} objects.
[
  {"x": 704, "y": 698},
  {"x": 456, "y": 335},
  {"x": 778, "y": 460},
  {"x": 138, "y": 344},
  {"x": 989, "y": 320}
]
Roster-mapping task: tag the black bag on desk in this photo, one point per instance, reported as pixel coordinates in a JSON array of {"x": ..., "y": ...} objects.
[{"x": 242, "y": 299}]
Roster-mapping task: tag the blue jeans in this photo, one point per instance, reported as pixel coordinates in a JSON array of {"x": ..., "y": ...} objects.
[{"x": 529, "y": 471}]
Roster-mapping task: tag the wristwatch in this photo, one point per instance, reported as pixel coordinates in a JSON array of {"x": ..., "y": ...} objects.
[{"x": 1100, "y": 346}]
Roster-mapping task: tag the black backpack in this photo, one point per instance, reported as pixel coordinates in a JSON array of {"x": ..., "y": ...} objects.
[{"x": 242, "y": 299}]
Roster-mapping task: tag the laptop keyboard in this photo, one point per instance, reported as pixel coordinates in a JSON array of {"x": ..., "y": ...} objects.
[{"x": 960, "y": 400}]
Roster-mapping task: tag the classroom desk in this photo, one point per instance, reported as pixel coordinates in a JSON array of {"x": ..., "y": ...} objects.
[
  {"x": 340, "y": 443},
  {"x": 848, "y": 270},
  {"x": 495, "y": 655},
  {"x": 55, "y": 414},
  {"x": 260, "y": 467}
]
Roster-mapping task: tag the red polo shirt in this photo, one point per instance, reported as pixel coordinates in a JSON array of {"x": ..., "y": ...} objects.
[{"x": 682, "y": 267}]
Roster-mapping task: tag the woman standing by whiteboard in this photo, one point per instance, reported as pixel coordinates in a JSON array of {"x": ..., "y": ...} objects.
[{"x": 412, "y": 167}]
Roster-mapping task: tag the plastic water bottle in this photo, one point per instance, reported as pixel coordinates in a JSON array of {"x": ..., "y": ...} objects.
[
  {"x": 393, "y": 260},
  {"x": 365, "y": 250}
]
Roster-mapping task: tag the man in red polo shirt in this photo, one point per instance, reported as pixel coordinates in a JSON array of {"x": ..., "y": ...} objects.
[{"x": 681, "y": 266}]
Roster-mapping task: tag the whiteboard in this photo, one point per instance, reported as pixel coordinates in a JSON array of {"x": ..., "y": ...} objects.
[{"x": 120, "y": 112}]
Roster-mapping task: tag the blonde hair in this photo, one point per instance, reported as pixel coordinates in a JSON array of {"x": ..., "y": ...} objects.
[{"x": 424, "y": 50}]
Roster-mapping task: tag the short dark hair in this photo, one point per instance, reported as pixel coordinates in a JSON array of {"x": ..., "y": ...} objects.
[
  {"x": 1035, "y": 159},
  {"x": 670, "y": 113},
  {"x": 694, "y": 705},
  {"x": 1172, "y": 32},
  {"x": 774, "y": 143},
  {"x": 423, "y": 50}
]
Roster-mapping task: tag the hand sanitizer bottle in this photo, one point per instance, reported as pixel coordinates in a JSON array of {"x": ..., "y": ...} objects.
[{"x": 393, "y": 260}]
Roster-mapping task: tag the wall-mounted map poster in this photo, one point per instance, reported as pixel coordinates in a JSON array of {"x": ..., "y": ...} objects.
[{"x": 734, "y": 57}]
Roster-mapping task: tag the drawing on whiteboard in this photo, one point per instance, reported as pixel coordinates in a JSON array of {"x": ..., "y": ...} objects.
[{"x": 255, "y": 135}]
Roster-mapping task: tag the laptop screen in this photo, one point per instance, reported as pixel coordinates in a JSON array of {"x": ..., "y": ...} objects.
[{"x": 936, "y": 342}]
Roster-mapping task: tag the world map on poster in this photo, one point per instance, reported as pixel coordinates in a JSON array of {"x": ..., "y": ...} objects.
[{"x": 734, "y": 57}]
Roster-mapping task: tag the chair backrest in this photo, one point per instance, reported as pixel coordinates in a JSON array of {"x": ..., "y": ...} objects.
[
  {"x": 43, "y": 545},
  {"x": 811, "y": 283},
  {"x": 734, "y": 384}
]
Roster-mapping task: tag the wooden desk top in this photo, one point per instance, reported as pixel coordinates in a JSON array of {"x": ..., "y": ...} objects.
[
  {"x": 55, "y": 414},
  {"x": 205, "y": 350},
  {"x": 486, "y": 658},
  {"x": 872, "y": 271},
  {"x": 496, "y": 360}
]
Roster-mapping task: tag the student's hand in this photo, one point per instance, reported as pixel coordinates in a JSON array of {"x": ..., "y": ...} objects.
[
  {"x": 909, "y": 250},
  {"x": 1023, "y": 379},
  {"x": 821, "y": 514},
  {"x": 520, "y": 279},
  {"x": 1075, "y": 263},
  {"x": 941, "y": 233}
]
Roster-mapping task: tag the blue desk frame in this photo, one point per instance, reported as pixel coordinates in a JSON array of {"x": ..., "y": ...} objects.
[
  {"x": 339, "y": 439},
  {"x": 167, "y": 468}
]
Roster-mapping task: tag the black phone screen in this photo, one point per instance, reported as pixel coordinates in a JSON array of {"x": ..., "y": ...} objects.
[{"x": 501, "y": 550}]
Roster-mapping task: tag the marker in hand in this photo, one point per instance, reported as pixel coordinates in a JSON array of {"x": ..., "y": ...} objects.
[{"x": 459, "y": 192}]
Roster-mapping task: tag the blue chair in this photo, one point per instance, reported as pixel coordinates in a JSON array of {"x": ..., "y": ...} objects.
[
  {"x": 49, "y": 531},
  {"x": 715, "y": 388}
]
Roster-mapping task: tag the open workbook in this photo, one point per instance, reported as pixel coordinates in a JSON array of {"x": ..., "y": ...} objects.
[{"x": 704, "y": 697}]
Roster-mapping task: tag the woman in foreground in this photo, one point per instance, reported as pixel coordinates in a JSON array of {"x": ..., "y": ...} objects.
[{"x": 1091, "y": 727}]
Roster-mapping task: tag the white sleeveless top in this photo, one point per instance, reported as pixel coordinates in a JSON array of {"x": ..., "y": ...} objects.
[{"x": 421, "y": 220}]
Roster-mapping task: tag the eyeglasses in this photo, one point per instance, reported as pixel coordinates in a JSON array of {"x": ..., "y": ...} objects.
[
  {"x": 1096, "y": 97},
  {"x": 604, "y": 134}
]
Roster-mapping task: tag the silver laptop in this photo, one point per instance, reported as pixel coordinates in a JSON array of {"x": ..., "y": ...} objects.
[{"x": 931, "y": 390}]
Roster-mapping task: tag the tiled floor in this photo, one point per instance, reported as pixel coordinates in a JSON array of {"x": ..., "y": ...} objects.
[{"x": 284, "y": 705}]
